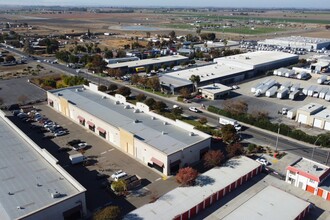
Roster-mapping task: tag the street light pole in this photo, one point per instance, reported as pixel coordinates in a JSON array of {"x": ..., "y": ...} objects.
[
  {"x": 314, "y": 147},
  {"x": 278, "y": 133}
]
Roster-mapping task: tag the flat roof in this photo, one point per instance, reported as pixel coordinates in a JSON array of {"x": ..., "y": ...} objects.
[
  {"x": 270, "y": 203},
  {"x": 301, "y": 39},
  {"x": 146, "y": 62},
  {"x": 208, "y": 72},
  {"x": 256, "y": 58},
  {"x": 311, "y": 107},
  {"x": 218, "y": 44},
  {"x": 324, "y": 114},
  {"x": 215, "y": 88},
  {"x": 27, "y": 178},
  {"x": 167, "y": 138},
  {"x": 311, "y": 167},
  {"x": 182, "y": 199}
]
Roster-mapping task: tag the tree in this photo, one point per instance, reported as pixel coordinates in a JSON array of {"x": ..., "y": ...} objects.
[
  {"x": 102, "y": 88},
  {"x": 125, "y": 91},
  {"x": 150, "y": 102},
  {"x": 234, "y": 149},
  {"x": 108, "y": 213},
  {"x": 135, "y": 79},
  {"x": 185, "y": 92},
  {"x": 22, "y": 99},
  {"x": 153, "y": 83},
  {"x": 213, "y": 158},
  {"x": 112, "y": 87},
  {"x": 186, "y": 176},
  {"x": 172, "y": 35},
  {"x": 10, "y": 58},
  {"x": 119, "y": 186},
  {"x": 177, "y": 111},
  {"x": 160, "y": 106},
  {"x": 121, "y": 53},
  {"x": 140, "y": 97},
  {"x": 108, "y": 54},
  {"x": 195, "y": 79},
  {"x": 203, "y": 120},
  {"x": 148, "y": 34},
  {"x": 199, "y": 30},
  {"x": 228, "y": 133},
  {"x": 236, "y": 107}
]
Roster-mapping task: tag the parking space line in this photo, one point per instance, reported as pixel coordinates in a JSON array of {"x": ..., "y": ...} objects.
[
  {"x": 158, "y": 179},
  {"x": 145, "y": 188},
  {"x": 111, "y": 150},
  {"x": 103, "y": 152}
]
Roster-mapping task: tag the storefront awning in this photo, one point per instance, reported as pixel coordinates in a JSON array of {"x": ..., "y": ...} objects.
[
  {"x": 157, "y": 162},
  {"x": 91, "y": 124},
  {"x": 101, "y": 130},
  {"x": 81, "y": 118}
]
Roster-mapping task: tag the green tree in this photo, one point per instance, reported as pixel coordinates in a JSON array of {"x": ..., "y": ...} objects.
[
  {"x": 150, "y": 102},
  {"x": 119, "y": 186},
  {"x": 177, "y": 111},
  {"x": 10, "y": 58},
  {"x": 234, "y": 149},
  {"x": 203, "y": 120},
  {"x": 140, "y": 97},
  {"x": 185, "y": 92},
  {"x": 125, "y": 91},
  {"x": 108, "y": 54},
  {"x": 102, "y": 88},
  {"x": 160, "y": 106},
  {"x": 195, "y": 79},
  {"x": 112, "y": 87},
  {"x": 229, "y": 134},
  {"x": 153, "y": 83},
  {"x": 121, "y": 53}
]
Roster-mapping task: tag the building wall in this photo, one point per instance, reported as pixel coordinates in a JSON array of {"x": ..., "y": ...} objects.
[
  {"x": 55, "y": 212},
  {"x": 300, "y": 181},
  {"x": 126, "y": 141}
]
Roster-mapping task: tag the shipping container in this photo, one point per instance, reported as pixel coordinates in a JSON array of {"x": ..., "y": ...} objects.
[
  {"x": 321, "y": 79},
  {"x": 323, "y": 93},
  {"x": 270, "y": 92},
  {"x": 295, "y": 87},
  {"x": 283, "y": 93},
  {"x": 293, "y": 95}
]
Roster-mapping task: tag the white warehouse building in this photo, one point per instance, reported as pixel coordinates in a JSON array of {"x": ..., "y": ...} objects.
[
  {"x": 308, "y": 43},
  {"x": 151, "y": 139},
  {"x": 32, "y": 184}
]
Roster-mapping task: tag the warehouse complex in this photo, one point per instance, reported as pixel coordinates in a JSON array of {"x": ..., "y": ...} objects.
[
  {"x": 228, "y": 70},
  {"x": 156, "y": 141},
  {"x": 33, "y": 185},
  {"x": 315, "y": 115},
  {"x": 307, "y": 43},
  {"x": 148, "y": 63},
  {"x": 213, "y": 185},
  {"x": 310, "y": 176}
]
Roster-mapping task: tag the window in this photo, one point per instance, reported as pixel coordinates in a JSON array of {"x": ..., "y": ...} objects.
[
  {"x": 51, "y": 103},
  {"x": 92, "y": 128},
  {"x": 102, "y": 134},
  {"x": 82, "y": 122}
]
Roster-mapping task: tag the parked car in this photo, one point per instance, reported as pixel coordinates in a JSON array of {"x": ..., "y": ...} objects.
[
  {"x": 64, "y": 149},
  {"x": 60, "y": 133},
  {"x": 118, "y": 174},
  {"x": 74, "y": 142},
  {"x": 263, "y": 161},
  {"x": 80, "y": 146},
  {"x": 193, "y": 109}
]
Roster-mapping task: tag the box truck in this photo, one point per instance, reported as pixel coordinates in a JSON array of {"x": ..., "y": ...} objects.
[
  {"x": 226, "y": 121},
  {"x": 77, "y": 158}
]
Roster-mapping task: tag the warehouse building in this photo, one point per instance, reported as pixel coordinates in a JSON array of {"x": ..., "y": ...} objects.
[
  {"x": 228, "y": 70},
  {"x": 310, "y": 176},
  {"x": 156, "y": 141},
  {"x": 187, "y": 202},
  {"x": 33, "y": 185},
  {"x": 214, "y": 91},
  {"x": 141, "y": 65},
  {"x": 270, "y": 203},
  {"x": 307, "y": 43}
]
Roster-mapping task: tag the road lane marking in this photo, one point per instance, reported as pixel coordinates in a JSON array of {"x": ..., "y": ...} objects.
[
  {"x": 104, "y": 152},
  {"x": 158, "y": 179},
  {"x": 111, "y": 150}
]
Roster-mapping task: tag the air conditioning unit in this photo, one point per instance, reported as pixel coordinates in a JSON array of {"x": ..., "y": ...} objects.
[
  {"x": 191, "y": 134},
  {"x": 56, "y": 195},
  {"x": 117, "y": 102},
  {"x": 136, "y": 111},
  {"x": 104, "y": 97},
  {"x": 126, "y": 107}
]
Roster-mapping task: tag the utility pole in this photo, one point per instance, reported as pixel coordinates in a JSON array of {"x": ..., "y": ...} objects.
[
  {"x": 278, "y": 133},
  {"x": 314, "y": 147}
]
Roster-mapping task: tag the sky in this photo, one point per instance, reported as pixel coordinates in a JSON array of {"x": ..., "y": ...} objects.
[{"x": 321, "y": 4}]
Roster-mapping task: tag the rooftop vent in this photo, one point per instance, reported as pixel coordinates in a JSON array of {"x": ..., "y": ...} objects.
[
  {"x": 77, "y": 90},
  {"x": 19, "y": 207},
  {"x": 10, "y": 193},
  {"x": 126, "y": 107},
  {"x": 59, "y": 94},
  {"x": 55, "y": 195},
  {"x": 315, "y": 167},
  {"x": 104, "y": 97},
  {"x": 136, "y": 111},
  {"x": 165, "y": 123},
  {"x": 163, "y": 132},
  {"x": 117, "y": 102},
  {"x": 191, "y": 134},
  {"x": 153, "y": 118},
  {"x": 136, "y": 121}
]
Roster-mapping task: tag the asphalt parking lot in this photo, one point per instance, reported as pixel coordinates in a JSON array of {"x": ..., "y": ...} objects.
[{"x": 104, "y": 159}]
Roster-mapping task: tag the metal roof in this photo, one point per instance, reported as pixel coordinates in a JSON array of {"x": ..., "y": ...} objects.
[
  {"x": 182, "y": 199},
  {"x": 146, "y": 62},
  {"x": 256, "y": 59},
  {"x": 165, "y": 137},
  {"x": 270, "y": 203},
  {"x": 27, "y": 179},
  {"x": 205, "y": 73}
]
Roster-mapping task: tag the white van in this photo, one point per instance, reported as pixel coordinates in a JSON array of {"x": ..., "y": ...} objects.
[{"x": 120, "y": 176}]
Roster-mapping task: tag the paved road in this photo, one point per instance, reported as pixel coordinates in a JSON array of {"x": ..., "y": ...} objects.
[{"x": 266, "y": 138}]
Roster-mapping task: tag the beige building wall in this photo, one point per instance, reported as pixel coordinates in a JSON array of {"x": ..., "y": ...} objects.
[{"x": 126, "y": 141}]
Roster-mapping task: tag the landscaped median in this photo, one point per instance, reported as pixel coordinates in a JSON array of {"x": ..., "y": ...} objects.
[{"x": 322, "y": 140}]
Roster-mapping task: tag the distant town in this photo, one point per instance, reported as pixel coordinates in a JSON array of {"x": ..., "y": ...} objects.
[{"x": 164, "y": 113}]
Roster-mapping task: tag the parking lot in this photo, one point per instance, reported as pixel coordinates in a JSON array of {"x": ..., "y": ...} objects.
[{"x": 103, "y": 158}]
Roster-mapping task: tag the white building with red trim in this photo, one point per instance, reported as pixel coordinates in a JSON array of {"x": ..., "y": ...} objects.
[{"x": 310, "y": 176}]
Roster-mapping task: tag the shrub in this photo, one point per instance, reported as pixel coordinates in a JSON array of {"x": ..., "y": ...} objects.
[
  {"x": 108, "y": 213},
  {"x": 186, "y": 176},
  {"x": 213, "y": 158}
]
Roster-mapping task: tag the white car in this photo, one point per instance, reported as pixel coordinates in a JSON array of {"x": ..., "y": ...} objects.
[
  {"x": 193, "y": 109},
  {"x": 118, "y": 174},
  {"x": 80, "y": 146},
  {"x": 263, "y": 161},
  {"x": 59, "y": 133}
]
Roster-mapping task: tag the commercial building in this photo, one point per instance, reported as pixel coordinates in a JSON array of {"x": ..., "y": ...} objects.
[
  {"x": 212, "y": 186},
  {"x": 33, "y": 185},
  {"x": 307, "y": 43},
  {"x": 148, "y": 63},
  {"x": 315, "y": 115},
  {"x": 310, "y": 176},
  {"x": 214, "y": 91},
  {"x": 270, "y": 203},
  {"x": 155, "y": 141},
  {"x": 228, "y": 70}
]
